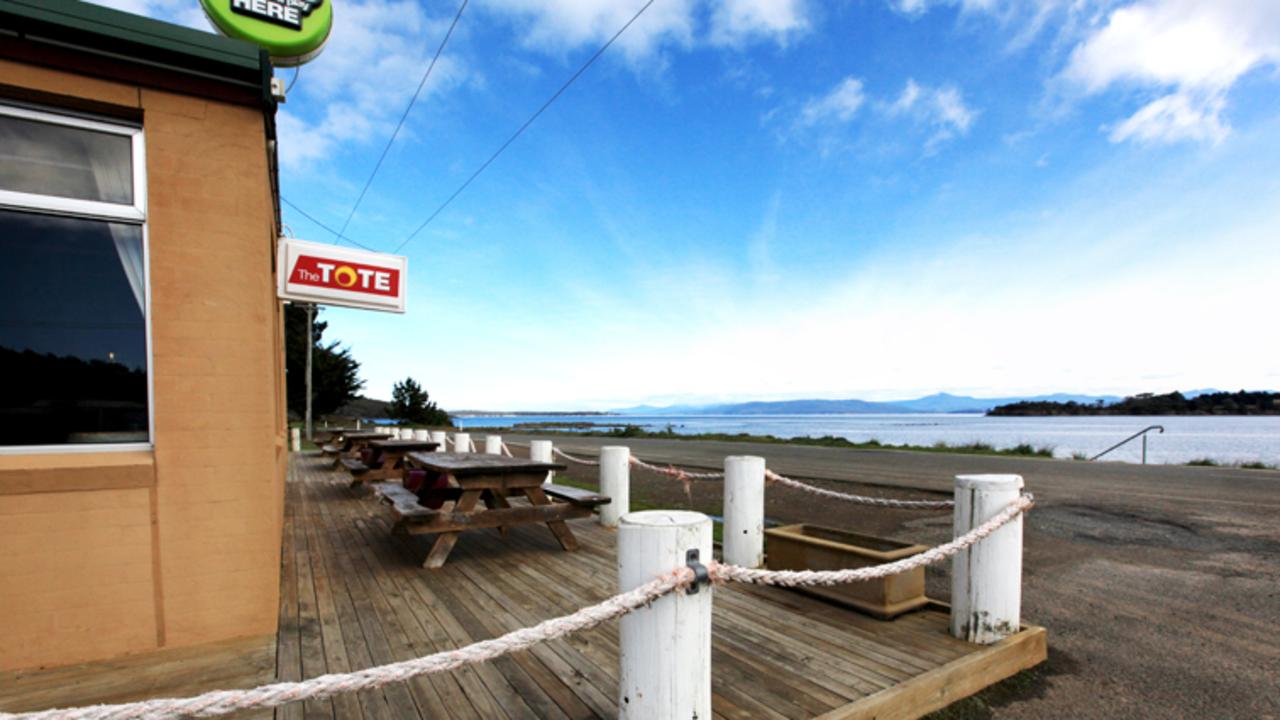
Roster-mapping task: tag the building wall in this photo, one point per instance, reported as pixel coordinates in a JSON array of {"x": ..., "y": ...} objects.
[{"x": 104, "y": 554}]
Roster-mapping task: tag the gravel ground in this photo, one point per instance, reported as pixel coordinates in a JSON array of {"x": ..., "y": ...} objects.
[{"x": 1158, "y": 584}]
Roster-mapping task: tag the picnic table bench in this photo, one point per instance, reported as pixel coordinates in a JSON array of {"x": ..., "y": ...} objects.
[
  {"x": 383, "y": 459},
  {"x": 328, "y": 436},
  {"x": 441, "y": 493},
  {"x": 351, "y": 445}
]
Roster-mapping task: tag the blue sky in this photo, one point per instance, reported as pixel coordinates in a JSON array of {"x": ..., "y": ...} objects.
[{"x": 772, "y": 199}]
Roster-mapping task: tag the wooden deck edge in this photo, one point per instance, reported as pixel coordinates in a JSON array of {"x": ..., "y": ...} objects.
[
  {"x": 958, "y": 679},
  {"x": 168, "y": 672}
]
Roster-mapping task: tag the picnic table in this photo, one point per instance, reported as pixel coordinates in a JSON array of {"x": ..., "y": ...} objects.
[
  {"x": 442, "y": 492},
  {"x": 383, "y": 459}
]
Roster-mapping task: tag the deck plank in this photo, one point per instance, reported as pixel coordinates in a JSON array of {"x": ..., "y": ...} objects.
[{"x": 373, "y": 704}]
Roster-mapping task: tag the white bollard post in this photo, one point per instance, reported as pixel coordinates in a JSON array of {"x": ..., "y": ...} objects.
[
  {"x": 986, "y": 579},
  {"x": 462, "y": 442},
  {"x": 744, "y": 510},
  {"x": 441, "y": 438},
  {"x": 492, "y": 444},
  {"x": 421, "y": 436},
  {"x": 615, "y": 483},
  {"x": 295, "y": 439},
  {"x": 357, "y": 424},
  {"x": 665, "y": 648},
  {"x": 540, "y": 451}
]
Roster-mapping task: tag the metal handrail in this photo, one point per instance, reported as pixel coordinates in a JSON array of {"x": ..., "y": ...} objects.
[{"x": 1141, "y": 433}]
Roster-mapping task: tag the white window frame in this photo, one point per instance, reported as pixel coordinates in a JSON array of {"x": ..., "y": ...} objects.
[{"x": 135, "y": 214}]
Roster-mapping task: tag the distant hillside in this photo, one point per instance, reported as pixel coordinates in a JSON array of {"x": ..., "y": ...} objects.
[
  {"x": 947, "y": 403},
  {"x": 937, "y": 403},
  {"x": 1175, "y": 403},
  {"x": 363, "y": 407},
  {"x": 804, "y": 407}
]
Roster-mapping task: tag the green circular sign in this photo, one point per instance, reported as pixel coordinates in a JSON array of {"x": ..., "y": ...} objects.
[{"x": 292, "y": 31}]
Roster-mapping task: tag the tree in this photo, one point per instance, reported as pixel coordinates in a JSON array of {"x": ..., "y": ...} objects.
[
  {"x": 410, "y": 404},
  {"x": 335, "y": 374}
]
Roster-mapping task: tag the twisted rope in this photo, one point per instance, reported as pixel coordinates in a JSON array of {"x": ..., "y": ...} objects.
[
  {"x": 774, "y": 477},
  {"x": 675, "y": 472},
  {"x": 794, "y": 578},
  {"x": 221, "y": 702},
  {"x": 571, "y": 458},
  {"x": 506, "y": 450}
]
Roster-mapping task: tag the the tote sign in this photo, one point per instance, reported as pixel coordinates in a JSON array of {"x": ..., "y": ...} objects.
[{"x": 330, "y": 275}]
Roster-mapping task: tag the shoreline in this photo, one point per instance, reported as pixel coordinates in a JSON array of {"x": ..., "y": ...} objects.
[{"x": 1021, "y": 450}]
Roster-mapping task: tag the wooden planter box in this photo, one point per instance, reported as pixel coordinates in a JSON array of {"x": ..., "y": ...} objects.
[{"x": 813, "y": 547}]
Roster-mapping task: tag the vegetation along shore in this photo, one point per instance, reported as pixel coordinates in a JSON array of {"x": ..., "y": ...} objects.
[{"x": 1174, "y": 403}]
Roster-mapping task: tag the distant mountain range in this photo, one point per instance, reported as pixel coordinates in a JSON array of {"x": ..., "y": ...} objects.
[{"x": 936, "y": 403}]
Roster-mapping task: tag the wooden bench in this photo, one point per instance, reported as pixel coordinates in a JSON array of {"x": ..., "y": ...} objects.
[
  {"x": 404, "y": 503},
  {"x": 409, "y": 510},
  {"x": 448, "y": 501},
  {"x": 354, "y": 466},
  {"x": 577, "y": 496}
]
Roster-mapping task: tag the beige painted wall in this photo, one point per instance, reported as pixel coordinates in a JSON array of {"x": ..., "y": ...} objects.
[{"x": 107, "y": 554}]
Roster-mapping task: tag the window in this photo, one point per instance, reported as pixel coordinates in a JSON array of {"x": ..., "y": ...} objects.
[{"x": 74, "y": 340}]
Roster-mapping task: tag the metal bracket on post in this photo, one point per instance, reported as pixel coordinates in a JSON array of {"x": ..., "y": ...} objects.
[{"x": 700, "y": 574}]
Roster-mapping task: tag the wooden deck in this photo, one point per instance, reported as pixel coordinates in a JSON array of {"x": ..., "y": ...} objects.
[{"x": 355, "y": 596}]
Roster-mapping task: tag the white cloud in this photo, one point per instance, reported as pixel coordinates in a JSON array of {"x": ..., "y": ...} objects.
[
  {"x": 941, "y": 108},
  {"x": 1191, "y": 51},
  {"x": 557, "y": 26},
  {"x": 387, "y": 40},
  {"x": 918, "y": 7},
  {"x": 907, "y": 100},
  {"x": 733, "y": 22},
  {"x": 376, "y": 39},
  {"x": 181, "y": 12},
  {"x": 838, "y": 105},
  {"x": 1172, "y": 118}
]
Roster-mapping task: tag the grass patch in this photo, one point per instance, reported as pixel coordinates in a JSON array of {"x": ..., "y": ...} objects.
[
  {"x": 717, "y": 527},
  {"x": 1253, "y": 465},
  {"x": 1257, "y": 466},
  {"x": 669, "y": 433}
]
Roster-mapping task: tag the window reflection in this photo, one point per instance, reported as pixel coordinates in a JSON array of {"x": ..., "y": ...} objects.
[
  {"x": 72, "y": 332},
  {"x": 37, "y": 157}
]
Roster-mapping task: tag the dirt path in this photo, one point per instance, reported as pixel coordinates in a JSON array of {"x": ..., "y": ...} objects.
[{"x": 1159, "y": 585}]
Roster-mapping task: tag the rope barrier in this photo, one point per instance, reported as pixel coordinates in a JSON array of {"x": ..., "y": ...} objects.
[
  {"x": 675, "y": 472},
  {"x": 506, "y": 450},
  {"x": 795, "y": 578},
  {"x": 774, "y": 477},
  {"x": 221, "y": 702},
  {"x": 571, "y": 458},
  {"x": 685, "y": 476}
]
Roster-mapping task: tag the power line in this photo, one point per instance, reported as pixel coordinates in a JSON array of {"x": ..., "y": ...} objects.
[
  {"x": 421, "y": 83},
  {"x": 526, "y": 124},
  {"x": 336, "y": 234}
]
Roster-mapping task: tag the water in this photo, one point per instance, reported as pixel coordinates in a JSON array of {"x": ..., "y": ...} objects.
[{"x": 1186, "y": 438}]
